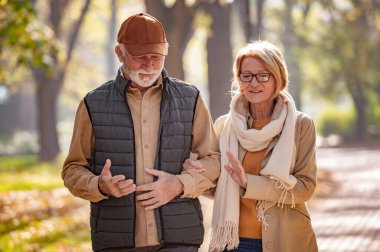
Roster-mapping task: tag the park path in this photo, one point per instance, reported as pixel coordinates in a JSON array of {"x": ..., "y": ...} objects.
[{"x": 346, "y": 211}]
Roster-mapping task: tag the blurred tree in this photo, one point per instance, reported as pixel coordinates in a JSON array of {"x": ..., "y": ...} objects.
[
  {"x": 24, "y": 40},
  {"x": 49, "y": 84},
  {"x": 219, "y": 56},
  {"x": 36, "y": 48},
  {"x": 17, "y": 48},
  {"x": 177, "y": 20},
  {"x": 111, "y": 67},
  {"x": 252, "y": 30},
  {"x": 351, "y": 41},
  {"x": 290, "y": 41}
]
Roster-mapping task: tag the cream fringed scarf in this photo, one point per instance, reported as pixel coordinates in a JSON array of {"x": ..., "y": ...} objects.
[{"x": 224, "y": 225}]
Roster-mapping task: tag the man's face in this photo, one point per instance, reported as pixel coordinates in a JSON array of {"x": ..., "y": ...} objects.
[{"x": 143, "y": 70}]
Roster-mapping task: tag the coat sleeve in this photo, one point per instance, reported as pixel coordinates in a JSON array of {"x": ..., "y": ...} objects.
[
  {"x": 206, "y": 147},
  {"x": 305, "y": 170},
  {"x": 77, "y": 172}
]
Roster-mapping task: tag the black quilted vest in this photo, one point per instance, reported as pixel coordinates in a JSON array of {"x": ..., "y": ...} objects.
[{"x": 112, "y": 220}]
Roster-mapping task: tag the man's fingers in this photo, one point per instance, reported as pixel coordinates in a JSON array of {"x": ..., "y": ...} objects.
[
  {"x": 145, "y": 187},
  {"x": 154, "y": 172},
  {"x": 107, "y": 168},
  {"x": 144, "y": 196},
  {"x": 117, "y": 178},
  {"x": 152, "y": 207},
  {"x": 116, "y": 185},
  {"x": 129, "y": 189},
  {"x": 125, "y": 183},
  {"x": 148, "y": 202}
]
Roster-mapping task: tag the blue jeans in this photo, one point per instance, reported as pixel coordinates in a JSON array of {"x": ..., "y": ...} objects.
[
  {"x": 158, "y": 248},
  {"x": 248, "y": 245}
]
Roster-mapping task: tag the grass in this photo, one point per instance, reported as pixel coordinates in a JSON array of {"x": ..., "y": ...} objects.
[
  {"x": 36, "y": 212},
  {"x": 26, "y": 173}
]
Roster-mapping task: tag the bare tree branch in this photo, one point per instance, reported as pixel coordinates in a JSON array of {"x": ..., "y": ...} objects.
[
  {"x": 75, "y": 32},
  {"x": 160, "y": 10},
  {"x": 57, "y": 9}
]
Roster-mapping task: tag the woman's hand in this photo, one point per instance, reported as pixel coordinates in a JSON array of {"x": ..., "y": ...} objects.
[
  {"x": 236, "y": 170},
  {"x": 193, "y": 165}
]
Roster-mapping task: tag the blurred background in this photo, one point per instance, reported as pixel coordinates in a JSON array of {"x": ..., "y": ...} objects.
[{"x": 53, "y": 52}]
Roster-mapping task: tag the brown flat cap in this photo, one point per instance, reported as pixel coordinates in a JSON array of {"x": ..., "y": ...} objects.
[{"x": 143, "y": 34}]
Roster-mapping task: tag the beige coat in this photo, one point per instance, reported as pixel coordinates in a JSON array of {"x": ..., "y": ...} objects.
[{"x": 289, "y": 228}]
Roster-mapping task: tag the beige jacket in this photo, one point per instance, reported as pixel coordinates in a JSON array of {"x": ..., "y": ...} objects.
[{"x": 289, "y": 228}]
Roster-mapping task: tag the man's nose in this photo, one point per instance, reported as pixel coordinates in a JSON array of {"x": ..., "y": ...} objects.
[{"x": 148, "y": 64}]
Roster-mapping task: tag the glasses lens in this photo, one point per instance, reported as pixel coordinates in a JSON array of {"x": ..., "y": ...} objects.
[
  {"x": 263, "y": 77},
  {"x": 247, "y": 77},
  {"x": 260, "y": 77}
]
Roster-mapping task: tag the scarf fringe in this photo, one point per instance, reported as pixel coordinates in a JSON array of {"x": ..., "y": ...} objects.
[
  {"x": 262, "y": 205},
  {"x": 225, "y": 236},
  {"x": 285, "y": 191}
]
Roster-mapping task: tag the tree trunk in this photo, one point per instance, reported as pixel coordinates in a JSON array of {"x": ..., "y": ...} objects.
[
  {"x": 174, "y": 60},
  {"x": 49, "y": 86},
  {"x": 361, "y": 119},
  {"x": 252, "y": 30},
  {"x": 177, "y": 21},
  {"x": 48, "y": 89},
  {"x": 244, "y": 8},
  {"x": 111, "y": 67},
  {"x": 219, "y": 58},
  {"x": 289, "y": 40},
  {"x": 355, "y": 81},
  {"x": 259, "y": 25},
  {"x": 354, "y": 86}
]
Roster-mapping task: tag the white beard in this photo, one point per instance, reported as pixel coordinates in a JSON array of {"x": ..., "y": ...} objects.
[{"x": 146, "y": 81}]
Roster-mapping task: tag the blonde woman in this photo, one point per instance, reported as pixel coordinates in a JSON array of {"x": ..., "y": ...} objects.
[{"x": 268, "y": 161}]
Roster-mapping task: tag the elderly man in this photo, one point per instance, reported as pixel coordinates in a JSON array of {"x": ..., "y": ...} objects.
[{"x": 131, "y": 138}]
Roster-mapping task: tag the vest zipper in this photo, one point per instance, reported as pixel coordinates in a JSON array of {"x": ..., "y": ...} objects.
[
  {"x": 158, "y": 158},
  {"x": 134, "y": 161}
]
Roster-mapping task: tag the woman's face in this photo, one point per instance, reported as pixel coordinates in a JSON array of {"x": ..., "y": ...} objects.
[{"x": 257, "y": 92}]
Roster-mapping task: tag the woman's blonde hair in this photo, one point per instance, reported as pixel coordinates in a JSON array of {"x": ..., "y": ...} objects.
[{"x": 270, "y": 56}]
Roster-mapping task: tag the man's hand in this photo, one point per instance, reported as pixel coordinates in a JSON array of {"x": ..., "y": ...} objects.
[
  {"x": 158, "y": 193},
  {"x": 116, "y": 186}
]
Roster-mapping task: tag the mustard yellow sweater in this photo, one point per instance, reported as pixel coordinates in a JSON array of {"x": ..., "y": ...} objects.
[{"x": 249, "y": 225}]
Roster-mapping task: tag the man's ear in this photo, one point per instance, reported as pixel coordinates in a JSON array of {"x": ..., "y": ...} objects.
[{"x": 119, "y": 53}]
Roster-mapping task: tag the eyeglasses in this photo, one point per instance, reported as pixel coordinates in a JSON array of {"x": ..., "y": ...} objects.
[{"x": 260, "y": 77}]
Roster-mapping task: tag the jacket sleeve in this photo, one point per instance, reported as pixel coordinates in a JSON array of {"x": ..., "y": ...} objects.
[
  {"x": 77, "y": 172},
  {"x": 305, "y": 170},
  {"x": 206, "y": 147}
]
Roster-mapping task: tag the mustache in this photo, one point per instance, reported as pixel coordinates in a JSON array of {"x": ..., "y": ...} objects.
[{"x": 142, "y": 71}]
